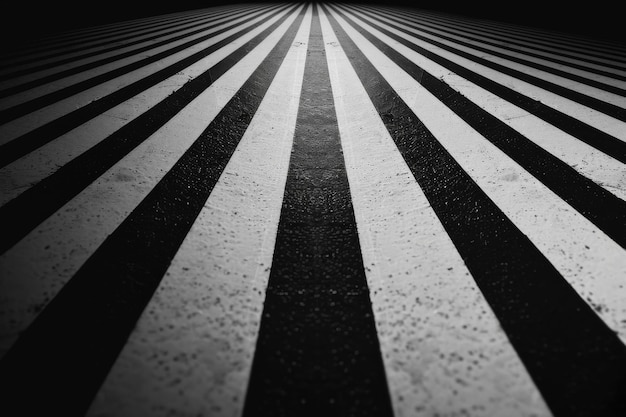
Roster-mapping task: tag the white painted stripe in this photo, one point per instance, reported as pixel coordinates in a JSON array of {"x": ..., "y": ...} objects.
[
  {"x": 25, "y": 124},
  {"x": 36, "y": 268},
  {"x": 548, "y": 57},
  {"x": 455, "y": 34},
  {"x": 543, "y": 75},
  {"x": 585, "y": 159},
  {"x": 121, "y": 49},
  {"x": 443, "y": 347},
  {"x": 20, "y": 175},
  {"x": 589, "y": 116},
  {"x": 212, "y": 295},
  {"x": 85, "y": 75},
  {"x": 593, "y": 264}
]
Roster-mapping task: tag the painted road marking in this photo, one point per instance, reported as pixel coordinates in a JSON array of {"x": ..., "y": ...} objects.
[
  {"x": 50, "y": 128},
  {"x": 81, "y": 223},
  {"x": 77, "y": 50},
  {"x": 85, "y": 92},
  {"x": 215, "y": 285},
  {"x": 96, "y": 59},
  {"x": 22, "y": 174},
  {"x": 593, "y": 264},
  {"x": 497, "y": 43},
  {"x": 317, "y": 351},
  {"x": 515, "y": 61},
  {"x": 609, "y": 217},
  {"x": 507, "y": 267},
  {"x": 114, "y": 285},
  {"x": 444, "y": 349},
  {"x": 564, "y": 113},
  {"x": 597, "y": 166},
  {"x": 60, "y": 187}
]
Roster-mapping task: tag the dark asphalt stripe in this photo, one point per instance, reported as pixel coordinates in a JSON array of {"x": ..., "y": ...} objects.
[
  {"x": 591, "y": 102},
  {"x": 30, "y": 106},
  {"x": 522, "y": 61},
  {"x": 598, "y": 205},
  {"x": 88, "y": 41},
  {"x": 575, "y": 360},
  {"x": 510, "y": 45},
  {"x": 22, "y": 214},
  {"x": 59, "y": 363},
  {"x": 75, "y": 70},
  {"x": 40, "y": 136},
  {"x": 317, "y": 352},
  {"x": 588, "y": 134},
  {"x": 539, "y": 42}
]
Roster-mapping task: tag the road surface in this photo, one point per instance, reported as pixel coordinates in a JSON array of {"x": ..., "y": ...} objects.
[{"x": 313, "y": 209}]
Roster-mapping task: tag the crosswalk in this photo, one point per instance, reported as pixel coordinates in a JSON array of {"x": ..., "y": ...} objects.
[{"x": 313, "y": 208}]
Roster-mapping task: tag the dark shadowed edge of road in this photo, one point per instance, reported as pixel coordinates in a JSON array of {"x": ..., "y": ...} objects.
[{"x": 22, "y": 21}]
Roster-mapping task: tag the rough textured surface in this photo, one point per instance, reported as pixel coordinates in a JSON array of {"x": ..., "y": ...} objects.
[
  {"x": 510, "y": 283},
  {"x": 34, "y": 270},
  {"x": 26, "y": 171},
  {"x": 585, "y": 159},
  {"x": 488, "y": 201},
  {"x": 192, "y": 349},
  {"x": 564, "y": 236},
  {"x": 317, "y": 351},
  {"x": 444, "y": 350},
  {"x": 112, "y": 288}
]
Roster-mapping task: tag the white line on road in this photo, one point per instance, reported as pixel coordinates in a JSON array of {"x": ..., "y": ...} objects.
[
  {"x": 500, "y": 46},
  {"x": 20, "y": 175},
  {"x": 35, "y": 269},
  {"x": 119, "y": 50},
  {"x": 443, "y": 347},
  {"x": 588, "y": 161},
  {"x": 541, "y": 74},
  {"x": 24, "y": 124},
  {"x": 193, "y": 346},
  {"x": 587, "y": 115},
  {"x": 592, "y": 263}
]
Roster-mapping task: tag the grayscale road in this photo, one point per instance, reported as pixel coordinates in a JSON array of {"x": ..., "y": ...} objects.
[{"x": 299, "y": 209}]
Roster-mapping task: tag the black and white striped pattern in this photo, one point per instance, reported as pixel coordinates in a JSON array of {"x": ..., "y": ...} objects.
[{"x": 308, "y": 209}]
